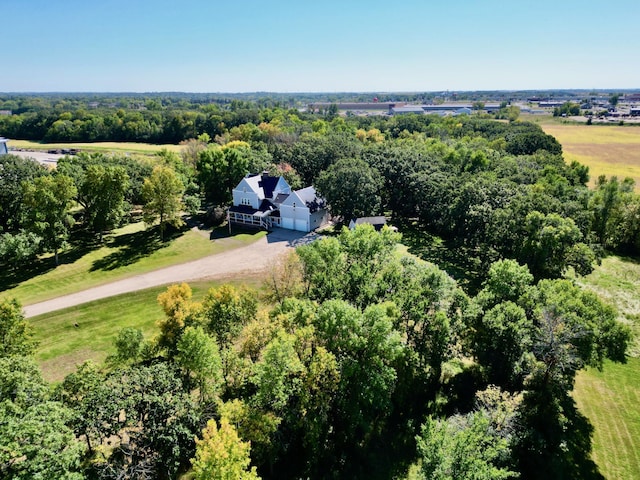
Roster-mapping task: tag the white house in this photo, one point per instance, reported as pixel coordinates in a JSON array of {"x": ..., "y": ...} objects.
[
  {"x": 303, "y": 210},
  {"x": 266, "y": 201}
]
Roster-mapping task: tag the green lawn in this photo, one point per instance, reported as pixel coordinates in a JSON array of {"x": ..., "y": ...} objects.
[
  {"x": 62, "y": 345},
  {"x": 617, "y": 281},
  {"x": 611, "y": 398},
  {"x": 130, "y": 251},
  {"x": 611, "y": 401}
]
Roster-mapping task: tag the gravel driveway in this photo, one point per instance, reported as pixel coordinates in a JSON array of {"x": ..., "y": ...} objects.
[{"x": 252, "y": 258}]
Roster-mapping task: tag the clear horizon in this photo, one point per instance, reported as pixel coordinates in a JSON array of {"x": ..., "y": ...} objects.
[{"x": 283, "y": 46}]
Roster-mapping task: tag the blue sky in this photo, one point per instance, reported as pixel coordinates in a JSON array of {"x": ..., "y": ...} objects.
[{"x": 317, "y": 46}]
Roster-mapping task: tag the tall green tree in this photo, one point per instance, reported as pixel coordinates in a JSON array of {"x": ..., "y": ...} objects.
[
  {"x": 162, "y": 192},
  {"x": 351, "y": 188},
  {"x": 16, "y": 334},
  {"x": 36, "y": 440},
  {"x": 463, "y": 448},
  {"x": 14, "y": 171},
  {"x": 103, "y": 193},
  {"x": 49, "y": 200},
  {"x": 199, "y": 355}
]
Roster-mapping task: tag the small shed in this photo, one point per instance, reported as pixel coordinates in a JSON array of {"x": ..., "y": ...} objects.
[{"x": 377, "y": 222}]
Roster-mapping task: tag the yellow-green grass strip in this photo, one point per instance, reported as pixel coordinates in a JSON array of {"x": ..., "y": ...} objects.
[
  {"x": 606, "y": 150},
  {"x": 119, "y": 147}
]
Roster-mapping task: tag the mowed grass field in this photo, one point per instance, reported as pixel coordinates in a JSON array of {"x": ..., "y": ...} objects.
[
  {"x": 605, "y": 149},
  {"x": 611, "y": 398},
  {"x": 130, "y": 251},
  {"x": 106, "y": 147},
  {"x": 63, "y": 345}
]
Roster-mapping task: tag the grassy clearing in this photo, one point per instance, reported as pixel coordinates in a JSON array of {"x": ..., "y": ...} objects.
[
  {"x": 130, "y": 251},
  {"x": 617, "y": 281},
  {"x": 610, "y": 400},
  {"x": 606, "y": 150},
  {"x": 105, "y": 147},
  {"x": 63, "y": 346}
]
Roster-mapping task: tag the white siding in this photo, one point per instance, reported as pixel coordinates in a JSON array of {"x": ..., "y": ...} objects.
[{"x": 243, "y": 194}]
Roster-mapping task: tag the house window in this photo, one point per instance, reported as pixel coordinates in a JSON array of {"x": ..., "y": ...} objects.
[{"x": 245, "y": 201}]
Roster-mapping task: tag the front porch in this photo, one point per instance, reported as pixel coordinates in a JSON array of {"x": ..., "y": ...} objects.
[{"x": 241, "y": 215}]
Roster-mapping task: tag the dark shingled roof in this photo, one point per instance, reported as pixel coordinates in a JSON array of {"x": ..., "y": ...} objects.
[
  {"x": 268, "y": 184},
  {"x": 266, "y": 205},
  {"x": 281, "y": 197},
  {"x": 246, "y": 209}
]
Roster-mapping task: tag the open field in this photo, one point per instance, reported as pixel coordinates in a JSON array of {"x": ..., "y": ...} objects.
[
  {"x": 606, "y": 150},
  {"x": 119, "y": 147},
  {"x": 617, "y": 281},
  {"x": 132, "y": 250},
  {"x": 62, "y": 345},
  {"x": 611, "y": 399}
]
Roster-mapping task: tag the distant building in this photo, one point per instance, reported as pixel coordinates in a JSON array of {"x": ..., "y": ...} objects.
[
  {"x": 354, "y": 106},
  {"x": 634, "y": 111},
  {"x": 417, "y": 109},
  {"x": 5, "y": 112},
  {"x": 442, "y": 109},
  {"x": 550, "y": 104}
]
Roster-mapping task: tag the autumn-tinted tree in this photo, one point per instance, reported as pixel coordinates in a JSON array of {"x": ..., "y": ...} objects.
[
  {"x": 225, "y": 310},
  {"x": 222, "y": 455}
]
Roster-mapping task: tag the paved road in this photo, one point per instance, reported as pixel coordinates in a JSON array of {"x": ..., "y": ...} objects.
[
  {"x": 252, "y": 258},
  {"x": 50, "y": 159}
]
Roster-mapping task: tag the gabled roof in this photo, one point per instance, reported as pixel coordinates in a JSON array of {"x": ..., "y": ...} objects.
[
  {"x": 268, "y": 184},
  {"x": 308, "y": 197},
  {"x": 262, "y": 185},
  {"x": 380, "y": 220}
]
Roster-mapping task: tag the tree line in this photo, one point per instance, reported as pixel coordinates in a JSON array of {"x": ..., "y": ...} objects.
[{"x": 362, "y": 362}]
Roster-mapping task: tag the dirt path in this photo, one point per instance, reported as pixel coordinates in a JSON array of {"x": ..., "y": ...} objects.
[{"x": 255, "y": 257}]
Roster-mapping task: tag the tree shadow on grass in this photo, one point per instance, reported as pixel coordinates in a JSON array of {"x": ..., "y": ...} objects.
[
  {"x": 11, "y": 276},
  {"x": 133, "y": 247},
  {"x": 466, "y": 265}
]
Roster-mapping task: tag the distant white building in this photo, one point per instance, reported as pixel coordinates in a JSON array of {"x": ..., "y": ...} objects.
[{"x": 3, "y": 146}]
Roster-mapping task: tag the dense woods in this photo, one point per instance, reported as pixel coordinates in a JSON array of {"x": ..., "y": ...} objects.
[{"x": 357, "y": 360}]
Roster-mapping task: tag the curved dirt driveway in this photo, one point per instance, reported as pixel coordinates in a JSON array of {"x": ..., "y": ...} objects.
[{"x": 253, "y": 258}]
